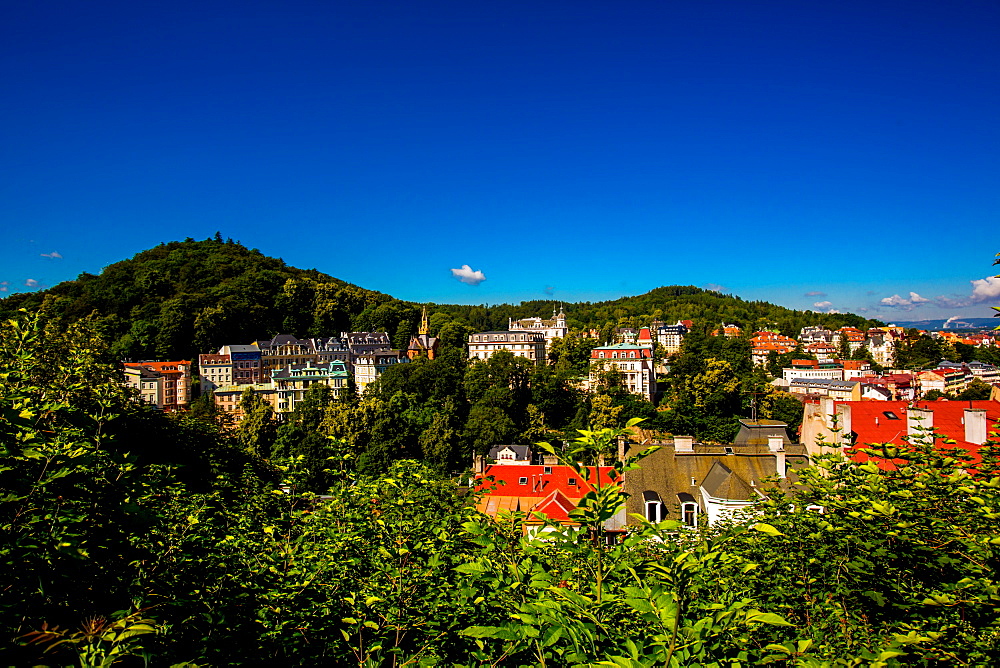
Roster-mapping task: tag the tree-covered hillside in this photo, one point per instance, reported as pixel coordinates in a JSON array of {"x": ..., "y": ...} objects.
[
  {"x": 186, "y": 297},
  {"x": 707, "y": 308}
]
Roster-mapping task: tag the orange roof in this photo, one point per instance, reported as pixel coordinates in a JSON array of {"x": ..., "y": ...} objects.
[
  {"x": 873, "y": 422},
  {"x": 516, "y": 487},
  {"x": 157, "y": 366}
]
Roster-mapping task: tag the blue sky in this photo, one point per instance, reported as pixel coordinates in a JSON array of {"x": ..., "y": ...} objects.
[{"x": 830, "y": 156}]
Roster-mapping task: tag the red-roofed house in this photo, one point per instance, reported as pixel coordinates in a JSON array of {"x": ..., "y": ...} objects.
[
  {"x": 554, "y": 490},
  {"x": 166, "y": 385},
  {"x": 968, "y": 423}
]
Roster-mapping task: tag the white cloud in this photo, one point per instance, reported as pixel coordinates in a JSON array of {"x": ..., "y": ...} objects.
[
  {"x": 985, "y": 290},
  {"x": 467, "y": 275},
  {"x": 823, "y": 305},
  {"x": 54, "y": 255},
  {"x": 715, "y": 287},
  {"x": 31, "y": 283},
  {"x": 815, "y": 293},
  {"x": 3, "y": 286},
  {"x": 896, "y": 301},
  {"x": 904, "y": 303}
]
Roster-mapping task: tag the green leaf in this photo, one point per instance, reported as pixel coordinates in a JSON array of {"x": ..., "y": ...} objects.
[
  {"x": 767, "y": 528},
  {"x": 766, "y": 618}
]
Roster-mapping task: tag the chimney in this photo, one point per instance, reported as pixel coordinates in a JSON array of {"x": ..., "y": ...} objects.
[
  {"x": 918, "y": 421},
  {"x": 844, "y": 411},
  {"x": 975, "y": 425},
  {"x": 622, "y": 449},
  {"x": 776, "y": 444},
  {"x": 550, "y": 460},
  {"x": 478, "y": 463},
  {"x": 683, "y": 443}
]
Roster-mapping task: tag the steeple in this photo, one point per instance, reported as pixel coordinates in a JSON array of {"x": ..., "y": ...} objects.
[{"x": 425, "y": 327}]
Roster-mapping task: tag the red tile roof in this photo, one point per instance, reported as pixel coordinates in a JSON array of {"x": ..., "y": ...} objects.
[
  {"x": 538, "y": 491},
  {"x": 872, "y": 422}
]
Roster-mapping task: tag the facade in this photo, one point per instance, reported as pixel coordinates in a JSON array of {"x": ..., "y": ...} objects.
[
  {"x": 815, "y": 334},
  {"x": 214, "y": 370},
  {"x": 284, "y": 350},
  {"x": 764, "y": 343},
  {"x": 845, "y": 390},
  {"x": 369, "y": 366},
  {"x": 514, "y": 455},
  {"x": 227, "y": 397},
  {"x": 363, "y": 343},
  {"x": 811, "y": 370},
  {"x": 172, "y": 380},
  {"x": 634, "y": 362},
  {"x": 247, "y": 367},
  {"x": 900, "y": 386},
  {"x": 530, "y": 345},
  {"x": 552, "y": 328},
  {"x": 671, "y": 337},
  {"x": 946, "y": 381},
  {"x": 330, "y": 349},
  {"x": 292, "y": 382}
]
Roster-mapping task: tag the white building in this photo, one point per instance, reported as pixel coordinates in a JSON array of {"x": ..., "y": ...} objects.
[
  {"x": 552, "y": 328},
  {"x": 530, "y": 345},
  {"x": 634, "y": 362}
]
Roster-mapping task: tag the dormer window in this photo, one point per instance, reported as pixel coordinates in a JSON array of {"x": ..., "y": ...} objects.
[
  {"x": 547, "y": 470},
  {"x": 522, "y": 481},
  {"x": 571, "y": 482}
]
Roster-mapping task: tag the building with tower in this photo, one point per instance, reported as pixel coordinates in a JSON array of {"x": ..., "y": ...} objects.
[
  {"x": 552, "y": 328},
  {"x": 423, "y": 343}
]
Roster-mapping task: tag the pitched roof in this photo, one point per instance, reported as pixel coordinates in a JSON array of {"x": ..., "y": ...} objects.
[
  {"x": 556, "y": 506},
  {"x": 722, "y": 483},
  {"x": 886, "y": 422}
]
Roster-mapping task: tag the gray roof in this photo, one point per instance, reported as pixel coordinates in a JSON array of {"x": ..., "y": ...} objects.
[
  {"x": 722, "y": 483},
  {"x": 521, "y": 452},
  {"x": 758, "y": 432},
  {"x": 669, "y": 473}
]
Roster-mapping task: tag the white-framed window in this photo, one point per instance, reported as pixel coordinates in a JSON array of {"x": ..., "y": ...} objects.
[
  {"x": 652, "y": 507},
  {"x": 689, "y": 513},
  {"x": 547, "y": 470},
  {"x": 522, "y": 481}
]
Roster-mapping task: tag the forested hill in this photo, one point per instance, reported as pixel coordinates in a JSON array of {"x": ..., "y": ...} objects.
[
  {"x": 185, "y": 297},
  {"x": 707, "y": 308}
]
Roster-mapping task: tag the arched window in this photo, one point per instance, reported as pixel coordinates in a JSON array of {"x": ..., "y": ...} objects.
[
  {"x": 689, "y": 509},
  {"x": 653, "y": 508}
]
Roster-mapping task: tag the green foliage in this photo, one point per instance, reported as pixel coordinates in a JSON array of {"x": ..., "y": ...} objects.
[{"x": 186, "y": 297}]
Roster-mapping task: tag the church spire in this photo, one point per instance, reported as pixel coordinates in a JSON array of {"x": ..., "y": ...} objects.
[{"x": 425, "y": 327}]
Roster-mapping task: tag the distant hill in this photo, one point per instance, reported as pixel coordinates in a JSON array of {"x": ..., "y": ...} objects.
[
  {"x": 708, "y": 309},
  {"x": 961, "y": 323},
  {"x": 185, "y": 297}
]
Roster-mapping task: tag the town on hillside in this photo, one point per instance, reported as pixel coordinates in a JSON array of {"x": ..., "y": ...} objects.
[{"x": 847, "y": 381}]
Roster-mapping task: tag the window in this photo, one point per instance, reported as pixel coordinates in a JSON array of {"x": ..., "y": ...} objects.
[
  {"x": 522, "y": 481},
  {"x": 890, "y": 415},
  {"x": 547, "y": 470},
  {"x": 729, "y": 450},
  {"x": 653, "y": 507},
  {"x": 689, "y": 514},
  {"x": 571, "y": 482}
]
